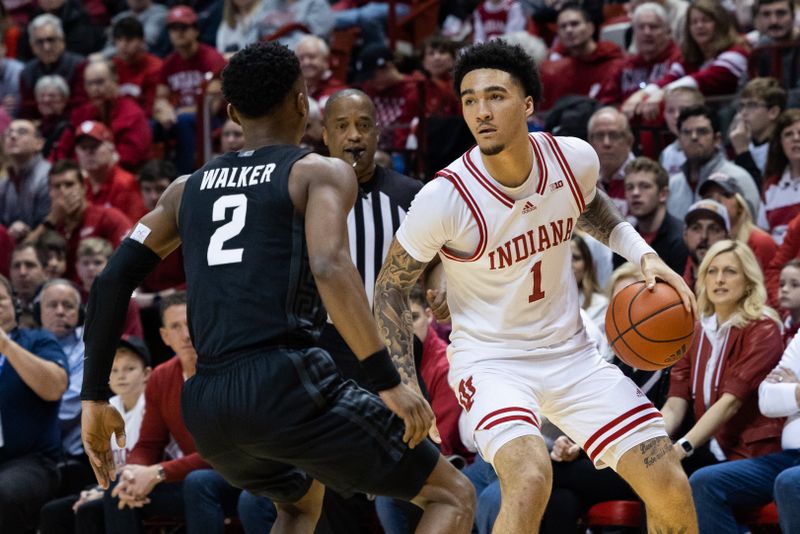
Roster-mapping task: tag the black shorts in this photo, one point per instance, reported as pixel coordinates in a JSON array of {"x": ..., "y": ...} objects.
[{"x": 271, "y": 422}]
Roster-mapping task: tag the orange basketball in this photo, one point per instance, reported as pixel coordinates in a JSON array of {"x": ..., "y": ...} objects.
[{"x": 649, "y": 330}]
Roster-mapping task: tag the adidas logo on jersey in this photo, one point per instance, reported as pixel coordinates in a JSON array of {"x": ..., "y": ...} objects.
[{"x": 528, "y": 207}]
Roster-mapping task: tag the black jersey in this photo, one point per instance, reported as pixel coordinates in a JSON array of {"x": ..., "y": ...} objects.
[{"x": 248, "y": 279}]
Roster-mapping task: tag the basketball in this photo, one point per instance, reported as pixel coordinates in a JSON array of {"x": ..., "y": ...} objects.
[{"x": 649, "y": 330}]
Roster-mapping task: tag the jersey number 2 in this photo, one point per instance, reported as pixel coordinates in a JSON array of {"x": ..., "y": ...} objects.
[
  {"x": 537, "y": 292},
  {"x": 217, "y": 255}
]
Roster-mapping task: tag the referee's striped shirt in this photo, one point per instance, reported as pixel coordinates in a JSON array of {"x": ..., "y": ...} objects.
[{"x": 382, "y": 205}]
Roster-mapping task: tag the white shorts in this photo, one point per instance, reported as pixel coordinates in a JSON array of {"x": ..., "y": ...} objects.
[{"x": 589, "y": 399}]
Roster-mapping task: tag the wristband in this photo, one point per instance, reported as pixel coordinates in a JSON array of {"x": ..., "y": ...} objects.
[
  {"x": 626, "y": 241},
  {"x": 380, "y": 370}
]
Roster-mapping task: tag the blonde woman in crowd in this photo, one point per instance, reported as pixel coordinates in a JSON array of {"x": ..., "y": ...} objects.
[{"x": 737, "y": 342}]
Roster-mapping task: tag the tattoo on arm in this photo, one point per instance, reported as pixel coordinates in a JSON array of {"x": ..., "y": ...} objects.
[
  {"x": 654, "y": 450},
  {"x": 600, "y": 217},
  {"x": 392, "y": 312}
]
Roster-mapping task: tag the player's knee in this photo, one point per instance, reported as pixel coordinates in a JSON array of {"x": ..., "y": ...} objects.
[
  {"x": 463, "y": 494},
  {"x": 673, "y": 485},
  {"x": 527, "y": 480}
]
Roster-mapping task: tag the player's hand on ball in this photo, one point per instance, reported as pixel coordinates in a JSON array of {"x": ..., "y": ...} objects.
[
  {"x": 99, "y": 420},
  {"x": 654, "y": 267},
  {"x": 564, "y": 450},
  {"x": 413, "y": 409}
]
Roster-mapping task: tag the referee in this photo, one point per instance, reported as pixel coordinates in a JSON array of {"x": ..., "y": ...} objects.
[{"x": 350, "y": 131}]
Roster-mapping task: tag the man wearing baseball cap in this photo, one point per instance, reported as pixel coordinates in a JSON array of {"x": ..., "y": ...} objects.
[
  {"x": 122, "y": 113},
  {"x": 182, "y": 77},
  {"x": 724, "y": 189},
  {"x": 706, "y": 223},
  {"x": 107, "y": 184}
]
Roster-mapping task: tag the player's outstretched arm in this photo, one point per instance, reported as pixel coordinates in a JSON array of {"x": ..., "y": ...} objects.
[
  {"x": 603, "y": 221},
  {"x": 153, "y": 237},
  {"x": 329, "y": 195}
]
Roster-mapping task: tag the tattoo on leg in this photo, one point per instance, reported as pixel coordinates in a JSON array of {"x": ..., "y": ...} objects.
[{"x": 654, "y": 450}]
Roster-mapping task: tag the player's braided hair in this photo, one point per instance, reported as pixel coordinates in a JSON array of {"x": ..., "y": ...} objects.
[
  {"x": 500, "y": 55},
  {"x": 259, "y": 77}
]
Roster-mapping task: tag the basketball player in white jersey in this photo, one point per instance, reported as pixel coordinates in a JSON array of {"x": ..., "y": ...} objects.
[{"x": 500, "y": 218}]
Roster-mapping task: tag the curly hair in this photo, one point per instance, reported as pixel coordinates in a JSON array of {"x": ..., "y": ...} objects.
[
  {"x": 500, "y": 55},
  {"x": 259, "y": 77}
]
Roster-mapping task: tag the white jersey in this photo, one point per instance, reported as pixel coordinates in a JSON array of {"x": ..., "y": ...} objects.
[
  {"x": 133, "y": 423},
  {"x": 506, "y": 252}
]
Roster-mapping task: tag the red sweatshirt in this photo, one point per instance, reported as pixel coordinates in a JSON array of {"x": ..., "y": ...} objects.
[
  {"x": 634, "y": 73},
  {"x": 121, "y": 191},
  {"x": 162, "y": 419},
  {"x": 579, "y": 76},
  {"x": 717, "y": 76},
  {"x": 128, "y": 123}
]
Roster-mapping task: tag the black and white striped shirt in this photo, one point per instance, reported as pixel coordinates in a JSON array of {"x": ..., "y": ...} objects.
[{"x": 381, "y": 207}]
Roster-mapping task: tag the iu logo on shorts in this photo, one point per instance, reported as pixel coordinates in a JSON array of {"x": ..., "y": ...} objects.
[{"x": 465, "y": 393}]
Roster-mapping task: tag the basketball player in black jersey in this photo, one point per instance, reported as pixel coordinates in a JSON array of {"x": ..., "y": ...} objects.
[{"x": 264, "y": 236}]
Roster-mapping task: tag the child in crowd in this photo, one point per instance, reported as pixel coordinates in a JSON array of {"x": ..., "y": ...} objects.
[
  {"x": 676, "y": 100},
  {"x": 93, "y": 255},
  {"x": 129, "y": 373},
  {"x": 789, "y": 298}
]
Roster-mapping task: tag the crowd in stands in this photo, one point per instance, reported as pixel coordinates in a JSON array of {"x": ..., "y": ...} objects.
[{"x": 692, "y": 107}]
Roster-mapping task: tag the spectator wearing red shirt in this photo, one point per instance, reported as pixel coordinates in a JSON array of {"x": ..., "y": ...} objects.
[
  {"x": 74, "y": 218},
  {"x": 586, "y": 64},
  {"x": 186, "y": 487},
  {"x": 128, "y": 123},
  {"x": 495, "y": 18},
  {"x": 656, "y": 51},
  {"x": 107, "y": 184},
  {"x": 714, "y": 59},
  {"x": 168, "y": 275},
  {"x": 93, "y": 255},
  {"x": 314, "y": 56},
  {"x": 138, "y": 71},
  {"x": 183, "y": 75},
  {"x": 438, "y": 92},
  {"x": 392, "y": 92}
]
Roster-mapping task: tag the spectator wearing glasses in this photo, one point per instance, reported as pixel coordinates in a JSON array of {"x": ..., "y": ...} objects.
[
  {"x": 46, "y": 36},
  {"x": 700, "y": 139},
  {"x": 52, "y": 95},
  {"x": 611, "y": 137},
  {"x": 81, "y": 36}
]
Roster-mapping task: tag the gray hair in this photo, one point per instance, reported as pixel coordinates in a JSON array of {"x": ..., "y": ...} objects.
[
  {"x": 609, "y": 110},
  {"x": 326, "y": 50},
  {"x": 45, "y": 19},
  {"x": 650, "y": 7},
  {"x": 52, "y": 80},
  {"x": 61, "y": 282}
]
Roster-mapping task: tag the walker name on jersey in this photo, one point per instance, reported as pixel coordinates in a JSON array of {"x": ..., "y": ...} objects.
[
  {"x": 531, "y": 242},
  {"x": 236, "y": 176}
]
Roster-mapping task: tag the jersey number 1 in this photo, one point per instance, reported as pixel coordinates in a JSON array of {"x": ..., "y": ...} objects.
[
  {"x": 537, "y": 292},
  {"x": 217, "y": 255}
]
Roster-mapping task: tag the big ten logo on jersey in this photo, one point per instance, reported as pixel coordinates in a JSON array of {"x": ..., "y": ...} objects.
[
  {"x": 466, "y": 391},
  {"x": 556, "y": 185},
  {"x": 531, "y": 242},
  {"x": 244, "y": 176}
]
